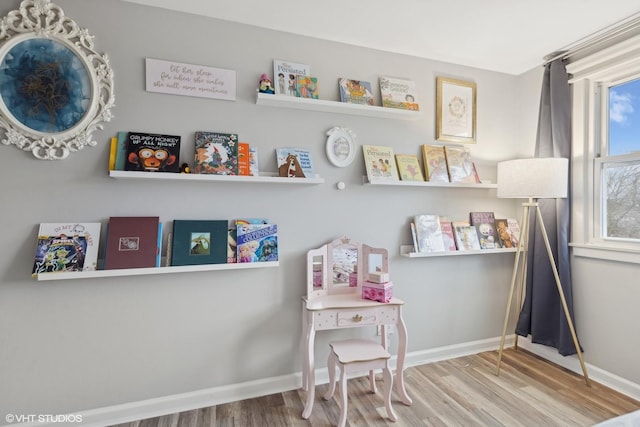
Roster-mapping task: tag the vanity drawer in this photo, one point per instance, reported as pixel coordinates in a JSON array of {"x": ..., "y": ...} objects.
[{"x": 350, "y": 318}]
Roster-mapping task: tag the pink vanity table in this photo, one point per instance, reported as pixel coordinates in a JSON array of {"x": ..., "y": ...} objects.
[{"x": 332, "y": 304}]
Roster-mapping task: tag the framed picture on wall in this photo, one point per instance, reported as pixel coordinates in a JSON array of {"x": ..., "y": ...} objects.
[{"x": 455, "y": 110}]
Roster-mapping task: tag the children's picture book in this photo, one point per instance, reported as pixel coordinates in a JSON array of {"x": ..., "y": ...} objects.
[
  {"x": 398, "y": 93},
  {"x": 284, "y": 76},
  {"x": 485, "y": 224},
  {"x": 295, "y": 162},
  {"x": 150, "y": 152},
  {"x": 414, "y": 236},
  {"x": 196, "y": 242},
  {"x": 112, "y": 153},
  {"x": 132, "y": 242},
  {"x": 459, "y": 164},
  {"x": 380, "y": 162},
  {"x": 435, "y": 163},
  {"x": 257, "y": 242},
  {"x": 466, "y": 236},
  {"x": 243, "y": 159},
  {"x": 307, "y": 87},
  {"x": 428, "y": 233},
  {"x": 67, "y": 246},
  {"x": 447, "y": 234},
  {"x": 232, "y": 243},
  {"x": 409, "y": 167},
  {"x": 216, "y": 153},
  {"x": 355, "y": 91},
  {"x": 253, "y": 161},
  {"x": 508, "y": 232},
  {"x": 121, "y": 150}
]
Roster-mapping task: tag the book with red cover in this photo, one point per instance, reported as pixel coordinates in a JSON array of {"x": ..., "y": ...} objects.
[{"x": 132, "y": 242}]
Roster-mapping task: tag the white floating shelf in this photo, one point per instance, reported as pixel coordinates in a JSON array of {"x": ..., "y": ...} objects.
[
  {"x": 324, "y": 106},
  {"x": 209, "y": 177},
  {"x": 381, "y": 181},
  {"x": 407, "y": 251},
  {"x": 153, "y": 270}
]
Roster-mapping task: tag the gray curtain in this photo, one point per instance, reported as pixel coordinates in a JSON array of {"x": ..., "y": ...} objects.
[{"x": 542, "y": 315}]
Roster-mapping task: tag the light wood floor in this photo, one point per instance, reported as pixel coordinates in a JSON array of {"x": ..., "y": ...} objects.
[{"x": 457, "y": 392}]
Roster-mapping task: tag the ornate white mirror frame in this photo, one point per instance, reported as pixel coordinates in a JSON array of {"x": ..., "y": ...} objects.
[{"x": 55, "y": 89}]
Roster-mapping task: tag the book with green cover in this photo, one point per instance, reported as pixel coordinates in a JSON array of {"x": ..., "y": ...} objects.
[{"x": 196, "y": 242}]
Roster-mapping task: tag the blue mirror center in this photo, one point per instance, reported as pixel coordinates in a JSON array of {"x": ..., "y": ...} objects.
[{"x": 44, "y": 85}]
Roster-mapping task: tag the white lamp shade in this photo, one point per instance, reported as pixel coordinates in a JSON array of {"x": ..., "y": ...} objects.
[{"x": 538, "y": 178}]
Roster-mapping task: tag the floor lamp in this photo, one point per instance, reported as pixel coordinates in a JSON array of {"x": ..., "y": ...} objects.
[{"x": 537, "y": 178}]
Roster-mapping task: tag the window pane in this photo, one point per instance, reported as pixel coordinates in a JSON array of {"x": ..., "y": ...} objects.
[
  {"x": 622, "y": 210},
  {"x": 624, "y": 118}
]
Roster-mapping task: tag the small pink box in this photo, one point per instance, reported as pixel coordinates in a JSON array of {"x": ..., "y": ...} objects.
[{"x": 382, "y": 292}]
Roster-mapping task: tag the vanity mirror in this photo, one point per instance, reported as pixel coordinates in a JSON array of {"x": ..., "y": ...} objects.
[{"x": 340, "y": 267}]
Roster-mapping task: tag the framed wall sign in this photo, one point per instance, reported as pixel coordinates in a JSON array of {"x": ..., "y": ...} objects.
[
  {"x": 455, "y": 110},
  {"x": 55, "y": 89},
  {"x": 341, "y": 149}
]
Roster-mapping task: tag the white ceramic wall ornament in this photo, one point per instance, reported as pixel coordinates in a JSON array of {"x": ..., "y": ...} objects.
[
  {"x": 55, "y": 89},
  {"x": 341, "y": 149}
]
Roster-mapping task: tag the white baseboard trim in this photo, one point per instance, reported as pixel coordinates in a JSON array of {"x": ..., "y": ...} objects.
[
  {"x": 230, "y": 393},
  {"x": 572, "y": 363}
]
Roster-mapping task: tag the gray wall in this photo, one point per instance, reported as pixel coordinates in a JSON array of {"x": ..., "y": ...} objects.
[{"x": 74, "y": 345}]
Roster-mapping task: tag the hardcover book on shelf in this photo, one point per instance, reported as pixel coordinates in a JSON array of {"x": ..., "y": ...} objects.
[
  {"x": 398, "y": 93},
  {"x": 307, "y": 87},
  {"x": 485, "y": 224},
  {"x": 150, "y": 152},
  {"x": 447, "y": 234},
  {"x": 284, "y": 76},
  {"x": 132, "y": 242},
  {"x": 508, "y": 232},
  {"x": 243, "y": 159},
  {"x": 295, "y": 162},
  {"x": 459, "y": 165},
  {"x": 216, "y": 153},
  {"x": 380, "y": 162},
  {"x": 196, "y": 242},
  {"x": 409, "y": 167},
  {"x": 113, "y": 148},
  {"x": 67, "y": 246},
  {"x": 121, "y": 151},
  {"x": 257, "y": 242},
  {"x": 355, "y": 91},
  {"x": 428, "y": 233},
  {"x": 414, "y": 236},
  {"x": 466, "y": 236},
  {"x": 435, "y": 163},
  {"x": 232, "y": 246},
  {"x": 253, "y": 162}
]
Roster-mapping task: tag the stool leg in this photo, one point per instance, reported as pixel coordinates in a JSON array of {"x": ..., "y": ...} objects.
[
  {"x": 372, "y": 381},
  {"x": 388, "y": 384},
  {"x": 343, "y": 396},
  {"x": 331, "y": 366}
]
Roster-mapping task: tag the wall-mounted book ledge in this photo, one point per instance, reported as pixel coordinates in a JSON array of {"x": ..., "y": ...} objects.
[
  {"x": 408, "y": 251},
  {"x": 324, "y": 106},
  {"x": 265, "y": 179},
  {"x": 381, "y": 181},
  {"x": 153, "y": 270}
]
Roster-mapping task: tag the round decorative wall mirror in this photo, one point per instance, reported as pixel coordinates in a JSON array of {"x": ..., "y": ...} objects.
[{"x": 55, "y": 89}]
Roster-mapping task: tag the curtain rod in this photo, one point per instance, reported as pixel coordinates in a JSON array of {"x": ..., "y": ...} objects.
[{"x": 609, "y": 33}]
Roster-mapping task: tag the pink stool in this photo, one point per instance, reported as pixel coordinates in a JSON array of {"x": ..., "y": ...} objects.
[{"x": 359, "y": 355}]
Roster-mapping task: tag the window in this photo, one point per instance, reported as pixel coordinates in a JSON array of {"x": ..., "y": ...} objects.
[
  {"x": 605, "y": 200},
  {"x": 619, "y": 164}
]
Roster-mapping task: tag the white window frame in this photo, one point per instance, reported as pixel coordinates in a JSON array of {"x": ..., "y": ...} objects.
[{"x": 591, "y": 75}]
